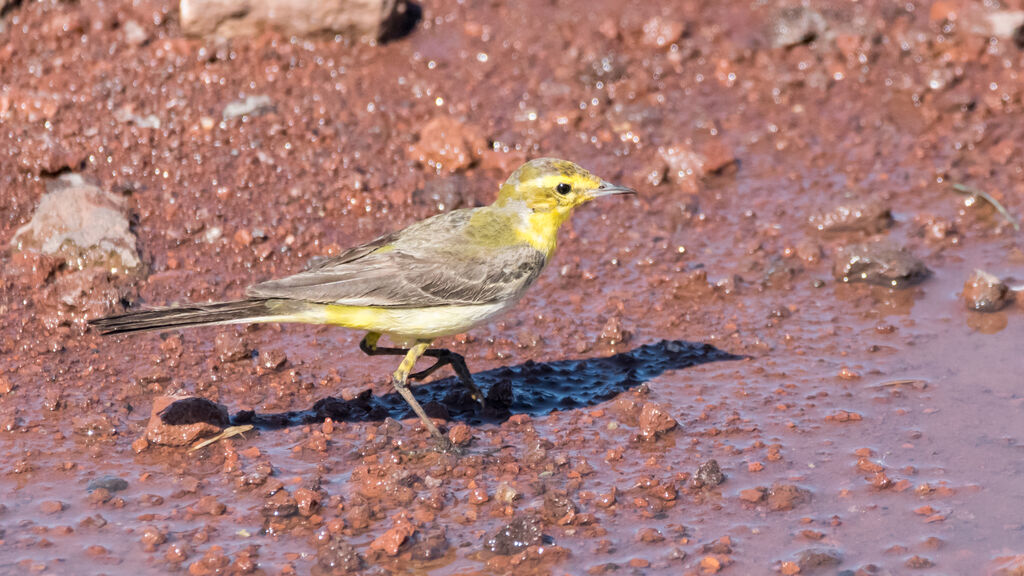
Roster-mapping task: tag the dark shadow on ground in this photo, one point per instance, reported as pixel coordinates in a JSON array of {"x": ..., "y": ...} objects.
[
  {"x": 402, "y": 22},
  {"x": 529, "y": 388}
]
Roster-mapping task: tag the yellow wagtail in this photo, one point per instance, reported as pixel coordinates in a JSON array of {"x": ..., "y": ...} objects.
[{"x": 438, "y": 277}]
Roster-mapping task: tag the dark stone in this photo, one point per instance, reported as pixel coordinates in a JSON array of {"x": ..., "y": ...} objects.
[
  {"x": 515, "y": 537},
  {"x": 708, "y": 475},
  {"x": 193, "y": 410},
  {"x": 109, "y": 483},
  {"x": 814, "y": 559},
  {"x": 336, "y": 556},
  {"x": 879, "y": 263}
]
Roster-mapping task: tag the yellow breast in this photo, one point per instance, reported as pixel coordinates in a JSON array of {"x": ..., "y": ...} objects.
[{"x": 540, "y": 230}]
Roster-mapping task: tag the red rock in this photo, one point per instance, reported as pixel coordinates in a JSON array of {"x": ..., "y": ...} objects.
[
  {"x": 100, "y": 496},
  {"x": 460, "y": 434},
  {"x": 1007, "y": 566},
  {"x": 626, "y": 409},
  {"x": 984, "y": 292},
  {"x": 209, "y": 505},
  {"x": 639, "y": 563},
  {"x": 613, "y": 333},
  {"x": 606, "y": 500},
  {"x": 520, "y": 420},
  {"x": 655, "y": 421},
  {"x": 390, "y": 541},
  {"x": 666, "y": 492},
  {"x": 558, "y": 509},
  {"x": 176, "y": 421},
  {"x": 650, "y": 536},
  {"x": 230, "y": 347},
  {"x": 32, "y": 269},
  {"x": 881, "y": 481},
  {"x": 918, "y": 562},
  {"x": 177, "y": 553},
  {"x": 848, "y": 374},
  {"x": 753, "y": 495},
  {"x": 710, "y": 565},
  {"x": 478, "y": 496},
  {"x": 660, "y": 32},
  {"x": 783, "y": 497},
  {"x": 243, "y": 237},
  {"x": 308, "y": 501},
  {"x": 866, "y": 217},
  {"x": 281, "y": 504},
  {"x": 51, "y": 506},
  {"x": 448, "y": 145},
  {"x": 152, "y": 537},
  {"x": 717, "y": 157},
  {"x": 869, "y": 466},
  {"x": 96, "y": 550},
  {"x": 215, "y": 561},
  {"x": 843, "y": 416}
]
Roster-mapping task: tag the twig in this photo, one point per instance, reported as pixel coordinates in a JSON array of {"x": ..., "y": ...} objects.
[
  {"x": 914, "y": 382},
  {"x": 226, "y": 433},
  {"x": 972, "y": 191}
]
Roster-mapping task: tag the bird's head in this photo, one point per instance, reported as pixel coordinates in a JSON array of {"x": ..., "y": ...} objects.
[
  {"x": 549, "y": 185},
  {"x": 545, "y": 191}
]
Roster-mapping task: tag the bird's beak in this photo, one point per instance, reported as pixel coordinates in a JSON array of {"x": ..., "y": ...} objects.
[{"x": 609, "y": 189}]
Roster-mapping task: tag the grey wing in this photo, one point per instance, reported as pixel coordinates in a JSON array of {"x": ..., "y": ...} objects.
[
  {"x": 319, "y": 262},
  {"x": 436, "y": 266}
]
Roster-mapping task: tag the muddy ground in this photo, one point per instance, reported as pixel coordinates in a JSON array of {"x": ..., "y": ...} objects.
[{"x": 855, "y": 427}]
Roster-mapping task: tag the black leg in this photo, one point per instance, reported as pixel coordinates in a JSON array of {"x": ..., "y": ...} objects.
[{"x": 444, "y": 358}]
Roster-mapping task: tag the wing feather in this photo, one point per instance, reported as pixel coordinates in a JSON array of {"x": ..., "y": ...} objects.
[{"x": 437, "y": 262}]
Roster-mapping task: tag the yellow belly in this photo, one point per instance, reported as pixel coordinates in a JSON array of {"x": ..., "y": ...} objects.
[{"x": 401, "y": 324}]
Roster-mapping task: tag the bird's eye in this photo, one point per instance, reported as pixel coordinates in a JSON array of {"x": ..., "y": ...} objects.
[{"x": 563, "y": 188}]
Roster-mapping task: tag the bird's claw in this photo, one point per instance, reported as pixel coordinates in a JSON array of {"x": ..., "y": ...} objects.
[{"x": 478, "y": 397}]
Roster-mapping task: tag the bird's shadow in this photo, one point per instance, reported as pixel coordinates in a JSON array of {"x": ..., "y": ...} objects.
[{"x": 529, "y": 388}]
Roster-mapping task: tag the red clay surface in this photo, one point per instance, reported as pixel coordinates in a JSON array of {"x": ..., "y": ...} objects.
[{"x": 861, "y": 428}]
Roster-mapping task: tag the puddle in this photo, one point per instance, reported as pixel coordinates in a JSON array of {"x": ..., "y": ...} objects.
[{"x": 858, "y": 428}]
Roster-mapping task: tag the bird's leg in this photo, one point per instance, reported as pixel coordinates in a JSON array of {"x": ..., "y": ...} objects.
[
  {"x": 369, "y": 347},
  {"x": 444, "y": 358},
  {"x": 400, "y": 380},
  {"x": 458, "y": 364}
]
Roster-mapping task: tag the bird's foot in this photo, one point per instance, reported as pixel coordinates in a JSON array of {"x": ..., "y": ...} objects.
[{"x": 477, "y": 395}]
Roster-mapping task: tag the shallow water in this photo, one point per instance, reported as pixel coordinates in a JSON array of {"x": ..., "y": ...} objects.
[{"x": 876, "y": 428}]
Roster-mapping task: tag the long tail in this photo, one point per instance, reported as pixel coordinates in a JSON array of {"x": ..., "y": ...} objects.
[{"x": 238, "y": 311}]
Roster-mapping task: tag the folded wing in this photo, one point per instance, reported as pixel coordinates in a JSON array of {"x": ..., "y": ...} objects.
[{"x": 441, "y": 261}]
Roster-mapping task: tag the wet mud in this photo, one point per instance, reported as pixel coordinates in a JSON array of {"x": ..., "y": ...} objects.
[{"x": 794, "y": 352}]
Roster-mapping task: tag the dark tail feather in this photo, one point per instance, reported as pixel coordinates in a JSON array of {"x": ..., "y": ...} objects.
[{"x": 184, "y": 316}]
